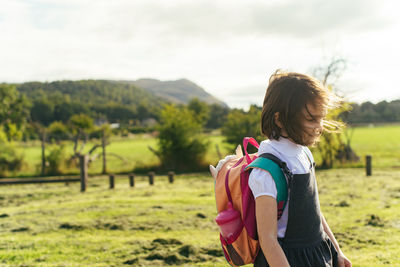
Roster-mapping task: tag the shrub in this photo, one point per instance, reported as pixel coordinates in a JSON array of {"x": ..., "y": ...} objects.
[
  {"x": 57, "y": 131},
  {"x": 240, "y": 124},
  {"x": 56, "y": 160},
  {"x": 180, "y": 146},
  {"x": 10, "y": 160}
]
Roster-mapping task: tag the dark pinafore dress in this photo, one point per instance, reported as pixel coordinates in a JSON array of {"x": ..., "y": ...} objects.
[{"x": 305, "y": 242}]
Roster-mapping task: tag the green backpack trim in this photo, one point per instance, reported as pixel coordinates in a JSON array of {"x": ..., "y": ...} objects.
[{"x": 276, "y": 173}]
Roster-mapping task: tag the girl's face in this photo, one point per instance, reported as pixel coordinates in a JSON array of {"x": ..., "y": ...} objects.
[{"x": 313, "y": 123}]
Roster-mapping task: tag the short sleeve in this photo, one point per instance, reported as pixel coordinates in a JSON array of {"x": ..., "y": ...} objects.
[{"x": 261, "y": 183}]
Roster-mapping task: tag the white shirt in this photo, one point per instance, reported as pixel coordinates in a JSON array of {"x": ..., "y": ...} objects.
[{"x": 261, "y": 182}]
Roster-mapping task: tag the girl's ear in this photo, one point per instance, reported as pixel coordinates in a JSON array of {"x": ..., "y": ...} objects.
[{"x": 277, "y": 121}]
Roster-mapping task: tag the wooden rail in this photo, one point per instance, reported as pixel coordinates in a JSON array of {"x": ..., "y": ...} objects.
[
  {"x": 37, "y": 181},
  {"x": 83, "y": 179}
]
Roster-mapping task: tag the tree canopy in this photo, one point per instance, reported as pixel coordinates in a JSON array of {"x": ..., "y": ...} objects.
[{"x": 180, "y": 146}]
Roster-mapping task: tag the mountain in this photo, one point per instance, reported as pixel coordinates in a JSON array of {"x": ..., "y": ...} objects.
[
  {"x": 99, "y": 99},
  {"x": 121, "y": 92},
  {"x": 88, "y": 92},
  {"x": 115, "y": 101},
  {"x": 179, "y": 91}
]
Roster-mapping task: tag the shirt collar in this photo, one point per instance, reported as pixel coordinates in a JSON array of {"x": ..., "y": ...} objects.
[{"x": 285, "y": 146}]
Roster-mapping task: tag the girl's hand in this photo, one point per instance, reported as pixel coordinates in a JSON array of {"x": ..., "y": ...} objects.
[{"x": 343, "y": 261}]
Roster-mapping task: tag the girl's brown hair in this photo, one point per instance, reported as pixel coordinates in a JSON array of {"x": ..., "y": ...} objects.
[{"x": 288, "y": 93}]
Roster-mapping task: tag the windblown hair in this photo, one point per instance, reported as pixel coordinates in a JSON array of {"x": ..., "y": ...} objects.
[{"x": 289, "y": 93}]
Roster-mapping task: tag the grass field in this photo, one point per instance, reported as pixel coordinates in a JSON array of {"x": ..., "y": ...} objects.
[
  {"x": 132, "y": 152},
  {"x": 382, "y": 142},
  {"x": 172, "y": 224}
]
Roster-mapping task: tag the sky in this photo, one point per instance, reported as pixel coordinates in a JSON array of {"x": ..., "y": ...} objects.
[{"x": 230, "y": 48}]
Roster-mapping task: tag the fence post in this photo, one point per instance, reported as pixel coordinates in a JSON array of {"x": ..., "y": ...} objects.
[
  {"x": 131, "y": 180},
  {"x": 171, "y": 177},
  {"x": 83, "y": 160},
  {"x": 151, "y": 178},
  {"x": 368, "y": 165},
  {"x": 112, "y": 181}
]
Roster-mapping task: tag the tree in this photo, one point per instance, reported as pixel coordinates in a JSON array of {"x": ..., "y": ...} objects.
[
  {"x": 41, "y": 131},
  {"x": 81, "y": 125},
  {"x": 104, "y": 133},
  {"x": 331, "y": 146},
  {"x": 114, "y": 100},
  {"x": 368, "y": 112},
  {"x": 330, "y": 73},
  {"x": 241, "y": 124},
  {"x": 10, "y": 160},
  {"x": 64, "y": 110},
  {"x": 120, "y": 113},
  {"x": 42, "y": 111},
  {"x": 180, "y": 146},
  {"x": 55, "y": 159},
  {"x": 201, "y": 111},
  {"x": 58, "y": 131},
  {"x": 14, "y": 133},
  {"x": 14, "y": 109},
  {"x": 13, "y": 116},
  {"x": 218, "y": 115}
]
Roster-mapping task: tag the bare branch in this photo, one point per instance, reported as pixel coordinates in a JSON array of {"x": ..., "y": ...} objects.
[
  {"x": 76, "y": 138},
  {"x": 118, "y": 157},
  {"x": 332, "y": 71},
  {"x": 154, "y": 151},
  {"x": 335, "y": 68},
  {"x": 94, "y": 148}
]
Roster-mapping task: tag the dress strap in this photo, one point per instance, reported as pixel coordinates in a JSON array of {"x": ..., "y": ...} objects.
[{"x": 312, "y": 163}]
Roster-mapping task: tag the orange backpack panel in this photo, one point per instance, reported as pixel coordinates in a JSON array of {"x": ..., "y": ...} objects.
[{"x": 231, "y": 185}]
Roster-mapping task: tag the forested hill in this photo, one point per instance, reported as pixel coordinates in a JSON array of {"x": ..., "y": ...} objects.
[
  {"x": 114, "y": 101},
  {"x": 58, "y": 101},
  {"x": 120, "y": 92},
  {"x": 179, "y": 91},
  {"x": 88, "y": 92}
]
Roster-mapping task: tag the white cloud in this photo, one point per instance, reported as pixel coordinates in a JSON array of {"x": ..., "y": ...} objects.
[
  {"x": 216, "y": 20},
  {"x": 224, "y": 46}
]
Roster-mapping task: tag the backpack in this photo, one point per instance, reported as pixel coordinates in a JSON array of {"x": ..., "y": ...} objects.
[{"x": 232, "y": 191}]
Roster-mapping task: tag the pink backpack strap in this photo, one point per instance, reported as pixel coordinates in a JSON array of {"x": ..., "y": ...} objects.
[
  {"x": 228, "y": 191},
  {"x": 246, "y": 141}
]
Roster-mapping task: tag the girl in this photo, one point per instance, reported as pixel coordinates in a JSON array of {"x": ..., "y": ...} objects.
[{"x": 294, "y": 109}]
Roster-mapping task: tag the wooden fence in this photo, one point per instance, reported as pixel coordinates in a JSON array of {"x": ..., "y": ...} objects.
[
  {"x": 83, "y": 179},
  {"x": 83, "y": 166},
  {"x": 84, "y": 176}
]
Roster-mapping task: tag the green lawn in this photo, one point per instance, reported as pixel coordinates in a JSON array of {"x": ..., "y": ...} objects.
[
  {"x": 382, "y": 142},
  {"x": 173, "y": 224},
  {"x": 124, "y": 154}
]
